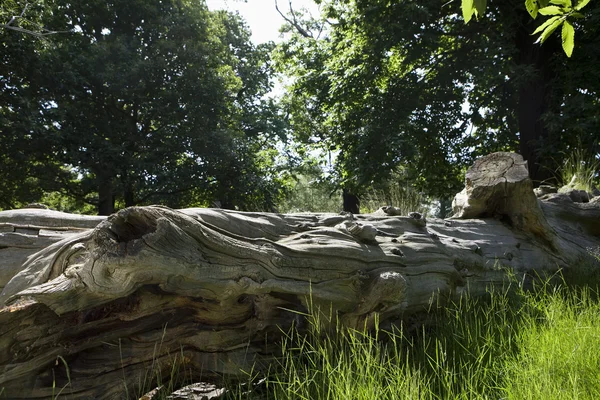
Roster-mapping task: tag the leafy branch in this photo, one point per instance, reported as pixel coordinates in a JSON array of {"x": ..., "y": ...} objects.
[
  {"x": 560, "y": 13},
  {"x": 293, "y": 21},
  {"x": 13, "y": 23}
]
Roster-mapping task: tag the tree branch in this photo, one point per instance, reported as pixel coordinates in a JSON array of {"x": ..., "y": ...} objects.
[
  {"x": 293, "y": 21},
  {"x": 28, "y": 31},
  {"x": 42, "y": 31}
]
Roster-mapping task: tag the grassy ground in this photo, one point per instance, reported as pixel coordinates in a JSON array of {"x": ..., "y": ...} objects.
[{"x": 538, "y": 345}]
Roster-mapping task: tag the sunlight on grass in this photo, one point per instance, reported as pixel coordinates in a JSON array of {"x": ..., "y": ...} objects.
[
  {"x": 558, "y": 355},
  {"x": 403, "y": 197},
  {"x": 510, "y": 345},
  {"x": 579, "y": 170}
]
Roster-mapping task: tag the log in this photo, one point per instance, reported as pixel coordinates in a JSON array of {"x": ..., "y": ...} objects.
[
  {"x": 213, "y": 289},
  {"x": 26, "y": 231}
]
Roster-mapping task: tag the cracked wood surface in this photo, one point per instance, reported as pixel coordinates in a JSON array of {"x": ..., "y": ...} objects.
[{"x": 213, "y": 287}]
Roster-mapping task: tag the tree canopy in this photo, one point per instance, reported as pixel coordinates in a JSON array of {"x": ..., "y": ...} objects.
[
  {"x": 144, "y": 102},
  {"x": 408, "y": 83},
  {"x": 136, "y": 102}
]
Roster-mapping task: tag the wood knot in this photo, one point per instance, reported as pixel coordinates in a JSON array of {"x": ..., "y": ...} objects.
[{"x": 397, "y": 252}]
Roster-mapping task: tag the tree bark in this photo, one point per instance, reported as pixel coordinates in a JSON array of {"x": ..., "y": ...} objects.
[
  {"x": 535, "y": 97},
  {"x": 106, "y": 197},
  {"x": 351, "y": 202},
  {"x": 128, "y": 194},
  {"x": 215, "y": 288}
]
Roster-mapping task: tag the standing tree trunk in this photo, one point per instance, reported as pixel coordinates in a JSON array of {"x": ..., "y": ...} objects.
[
  {"x": 535, "y": 97},
  {"x": 217, "y": 288},
  {"x": 128, "y": 193},
  {"x": 351, "y": 202},
  {"x": 106, "y": 196}
]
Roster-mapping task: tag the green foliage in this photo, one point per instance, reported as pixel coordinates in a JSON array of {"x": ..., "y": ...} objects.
[
  {"x": 533, "y": 6},
  {"x": 562, "y": 12},
  {"x": 61, "y": 202},
  {"x": 386, "y": 88},
  {"x": 23, "y": 16},
  {"x": 396, "y": 192},
  {"x": 165, "y": 104},
  {"x": 472, "y": 8},
  {"x": 408, "y": 85},
  {"x": 580, "y": 170},
  {"x": 24, "y": 164},
  {"x": 308, "y": 194},
  {"x": 306, "y": 189},
  {"x": 568, "y": 38}
]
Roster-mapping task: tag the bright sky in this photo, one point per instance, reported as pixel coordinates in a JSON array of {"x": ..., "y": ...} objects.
[{"x": 261, "y": 16}]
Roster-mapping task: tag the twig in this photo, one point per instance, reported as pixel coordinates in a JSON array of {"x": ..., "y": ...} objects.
[
  {"x": 30, "y": 32},
  {"x": 293, "y": 21},
  {"x": 43, "y": 31}
]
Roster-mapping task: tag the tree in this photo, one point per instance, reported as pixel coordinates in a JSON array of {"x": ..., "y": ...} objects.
[
  {"x": 24, "y": 164},
  {"x": 409, "y": 83},
  {"x": 154, "y": 102}
]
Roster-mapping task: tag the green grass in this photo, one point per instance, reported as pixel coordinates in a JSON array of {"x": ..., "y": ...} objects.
[
  {"x": 165, "y": 374},
  {"x": 512, "y": 345},
  {"x": 579, "y": 170},
  {"x": 558, "y": 357},
  {"x": 404, "y": 197}
]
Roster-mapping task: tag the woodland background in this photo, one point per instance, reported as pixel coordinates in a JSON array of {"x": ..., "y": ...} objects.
[{"x": 105, "y": 105}]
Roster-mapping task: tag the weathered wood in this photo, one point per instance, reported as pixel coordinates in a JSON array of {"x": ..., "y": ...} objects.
[
  {"x": 498, "y": 185},
  {"x": 213, "y": 287},
  {"x": 26, "y": 231}
]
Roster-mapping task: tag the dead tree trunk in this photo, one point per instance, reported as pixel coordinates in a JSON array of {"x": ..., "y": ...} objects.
[{"x": 214, "y": 286}]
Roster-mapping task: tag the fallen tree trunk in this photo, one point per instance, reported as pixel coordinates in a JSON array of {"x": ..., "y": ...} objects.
[
  {"x": 25, "y": 232},
  {"x": 214, "y": 287}
]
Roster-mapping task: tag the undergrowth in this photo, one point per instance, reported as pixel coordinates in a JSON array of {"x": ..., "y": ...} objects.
[
  {"x": 403, "y": 197},
  {"x": 511, "y": 345},
  {"x": 580, "y": 170}
]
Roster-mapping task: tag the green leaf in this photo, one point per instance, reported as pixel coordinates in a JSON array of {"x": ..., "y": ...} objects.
[
  {"x": 548, "y": 31},
  {"x": 467, "y": 10},
  {"x": 480, "y": 6},
  {"x": 543, "y": 3},
  {"x": 543, "y": 26},
  {"x": 581, "y": 4},
  {"x": 576, "y": 15},
  {"x": 532, "y": 8},
  {"x": 551, "y": 10},
  {"x": 568, "y": 38},
  {"x": 562, "y": 3}
]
